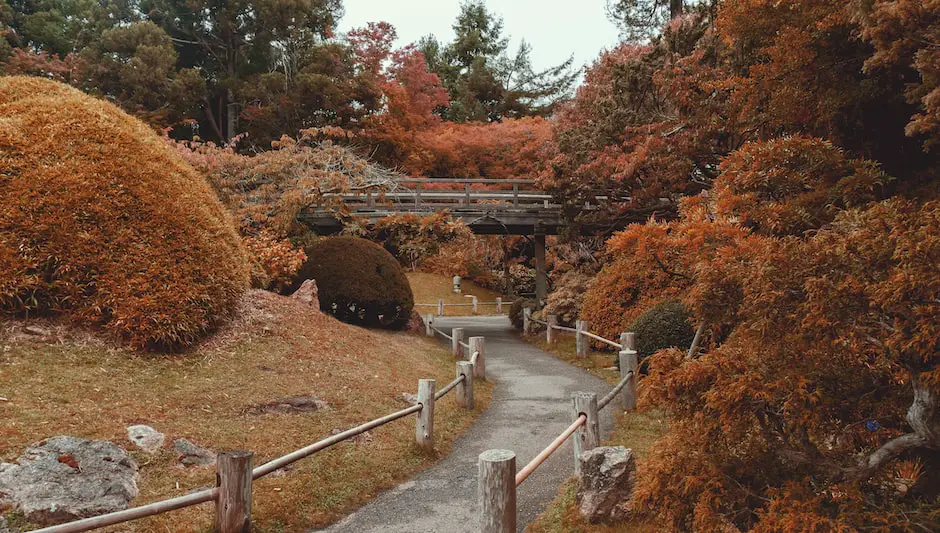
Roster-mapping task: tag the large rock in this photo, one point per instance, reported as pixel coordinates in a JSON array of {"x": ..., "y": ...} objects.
[
  {"x": 415, "y": 323},
  {"x": 146, "y": 438},
  {"x": 67, "y": 478},
  {"x": 607, "y": 477},
  {"x": 308, "y": 293}
]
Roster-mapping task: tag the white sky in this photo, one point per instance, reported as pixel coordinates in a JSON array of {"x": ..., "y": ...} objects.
[{"x": 556, "y": 29}]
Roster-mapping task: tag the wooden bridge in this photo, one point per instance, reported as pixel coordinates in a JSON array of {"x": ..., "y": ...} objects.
[{"x": 488, "y": 207}]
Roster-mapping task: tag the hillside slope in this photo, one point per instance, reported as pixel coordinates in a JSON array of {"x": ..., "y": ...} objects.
[{"x": 71, "y": 383}]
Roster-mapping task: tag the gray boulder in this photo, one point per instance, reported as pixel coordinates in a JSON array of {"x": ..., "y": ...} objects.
[
  {"x": 191, "y": 454},
  {"x": 308, "y": 293},
  {"x": 67, "y": 478},
  {"x": 608, "y": 474},
  {"x": 146, "y": 438}
]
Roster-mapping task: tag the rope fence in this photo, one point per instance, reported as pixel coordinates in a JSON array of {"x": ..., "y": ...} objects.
[
  {"x": 498, "y": 479},
  {"x": 234, "y": 473}
]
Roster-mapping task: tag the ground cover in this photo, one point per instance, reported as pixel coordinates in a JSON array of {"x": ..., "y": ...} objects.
[{"x": 429, "y": 288}]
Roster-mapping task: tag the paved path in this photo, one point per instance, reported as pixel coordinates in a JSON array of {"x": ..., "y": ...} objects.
[{"x": 530, "y": 407}]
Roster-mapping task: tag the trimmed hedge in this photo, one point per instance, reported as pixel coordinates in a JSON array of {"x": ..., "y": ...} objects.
[
  {"x": 664, "y": 325},
  {"x": 359, "y": 282},
  {"x": 102, "y": 222}
]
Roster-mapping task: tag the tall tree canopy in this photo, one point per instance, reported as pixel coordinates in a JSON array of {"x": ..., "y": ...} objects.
[{"x": 485, "y": 81}]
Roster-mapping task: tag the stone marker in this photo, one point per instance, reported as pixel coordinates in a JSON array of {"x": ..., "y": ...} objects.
[
  {"x": 66, "y": 478},
  {"x": 608, "y": 474},
  {"x": 146, "y": 438}
]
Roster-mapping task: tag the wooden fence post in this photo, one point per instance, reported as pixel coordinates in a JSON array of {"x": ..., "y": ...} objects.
[
  {"x": 428, "y": 324},
  {"x": 424, "y": 424},
  {"x": 588, "y": 436},
  {"x": 581, "y": 341},
  {"x": 456, "y": 336},
  {"x": 496, "y": 491},
  {"x": 499, "y": 305},
  {"x": 628, "y": 340},
  {"x": 478, "y": 346},
  {"x": 440, "y": 307},
  {"x": 233, "y": 478},
  {"x": 465, "y": 387},
  {"x": 476, "y": 302},
  {"x": 552, "y": 321},
  {"x": 527, "y": 320},
  {"x": 629, "y": 365}
]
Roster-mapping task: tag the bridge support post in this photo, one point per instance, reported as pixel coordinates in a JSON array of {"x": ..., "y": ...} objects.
[{"x": 541, "y": 278}]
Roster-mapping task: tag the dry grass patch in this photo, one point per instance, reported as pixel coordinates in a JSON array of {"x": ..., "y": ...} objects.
[
  {"x": 75, "y": 385},
  {"x": 429, "y": 288}
]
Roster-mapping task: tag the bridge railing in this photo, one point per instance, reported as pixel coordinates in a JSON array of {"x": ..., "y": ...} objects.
[{"x": 449, "y": 193}]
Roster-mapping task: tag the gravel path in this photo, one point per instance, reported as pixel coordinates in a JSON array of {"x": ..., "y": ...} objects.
[{"x": 531, "y": 406}]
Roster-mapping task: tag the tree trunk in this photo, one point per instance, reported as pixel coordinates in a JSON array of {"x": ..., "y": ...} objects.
[
  {"x": 693, "y": 350},
  {"x": 675, "y": 8}
]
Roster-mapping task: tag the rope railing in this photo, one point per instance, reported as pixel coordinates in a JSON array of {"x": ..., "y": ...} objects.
[
  {"x": 527, "y": 470},
  {"x": 602, "y": 403},
  {"x": 449, "y": 387}
]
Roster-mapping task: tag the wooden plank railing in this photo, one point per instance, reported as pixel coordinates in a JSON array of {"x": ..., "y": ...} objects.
[
  {"x": 232, "y": 494},
  {"x": 474, "y": 302},
  {"x": 498, "y": 479}
]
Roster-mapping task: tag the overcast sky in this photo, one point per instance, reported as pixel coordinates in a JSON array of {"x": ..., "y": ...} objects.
[{"x": 556, "y": 29}]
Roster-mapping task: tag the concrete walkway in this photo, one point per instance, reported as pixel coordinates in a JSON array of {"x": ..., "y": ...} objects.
[{"x": 531, "y": 406}]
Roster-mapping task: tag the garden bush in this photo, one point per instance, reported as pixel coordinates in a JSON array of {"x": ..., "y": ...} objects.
[
  {"x": 359, "y": 282},
  {"x": 565, "y": 301},
  {"x": 516, "y": 311},
  {"x": 102, "y": 222},
  {"x": 665, "y": 325}
]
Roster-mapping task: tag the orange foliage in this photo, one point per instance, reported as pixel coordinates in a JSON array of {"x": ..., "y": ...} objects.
[
  {"x": 102, "y": 222},
  {"x": 513, "y": 148}
]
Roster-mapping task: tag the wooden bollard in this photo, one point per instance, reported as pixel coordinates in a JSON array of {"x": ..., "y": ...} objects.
[
  {"x": 552, "y": 321},
  {"x": 478, "y": 346},
  {"x": 233, "y": 478},
  {"x": 424, "y": 424},
  {"x": 499, "y": 306},
  {"x": 476, "y": 305},
  {"x": 496, "y": 491},
  {"x": 428, "y": 324},
  {"x": 581, "y": 341},
  {"x": 588, "y": 436},
  {"x": 456, "y": 335},
  {"x": 465, "y": 387},
  {"x": 526, "y": 320},
  {"x": 440, "y": 307},
  {"x": 628, "y": 366}
]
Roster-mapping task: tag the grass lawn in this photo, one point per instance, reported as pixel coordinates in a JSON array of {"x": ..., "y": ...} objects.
[
  {"x": 73, "y": 384},
  {"x": 429, "y": 288},
  {"x": 635, "y": 430}
]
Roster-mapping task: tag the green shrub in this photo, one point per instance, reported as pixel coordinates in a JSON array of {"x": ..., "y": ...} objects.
[
  {"x": 516, "y": 311},
  {"x": 359, "y": 282},
  {"x": 664, "y": 325}
]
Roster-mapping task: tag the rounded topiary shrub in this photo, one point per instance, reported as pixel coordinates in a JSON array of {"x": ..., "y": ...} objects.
[
  {"x": 359, "y": 282},
  {"x": 664, "y": 325},
  {"x": 102, "y": 222},
  {"x": 516, "y": 313}
]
